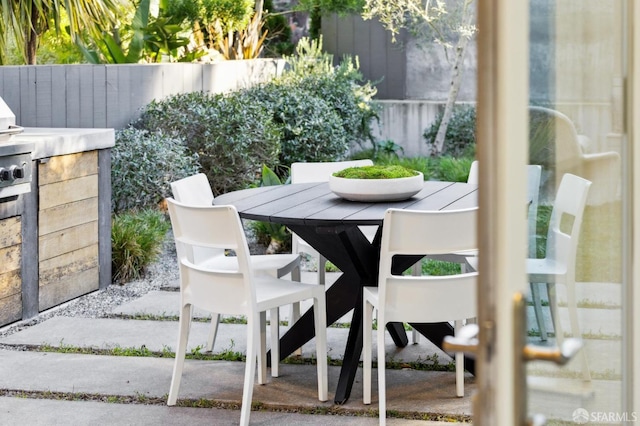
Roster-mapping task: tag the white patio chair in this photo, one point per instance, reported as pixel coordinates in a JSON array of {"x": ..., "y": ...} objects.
[
  {"x": 419, "y": 299},
  {"x": 195, "y": 190},
  {"x": 559, "y": 264},
  {"x": 238, "y": 291},
  {"x": 320, "y": 172}
]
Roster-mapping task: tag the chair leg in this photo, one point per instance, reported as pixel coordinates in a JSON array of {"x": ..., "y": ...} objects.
[
  {"x": 572, "y": 304},
  {"x": 320, "y": 323},
  {"x": 459, "y": 358},
  {"x": 275, "y": 341},
  {"x": 382, "y": 383},
  {"x": 322, "y": 268},
  {"x": 255, "y": 330},
  {"x": 416, "y": 271},
  {"x": 367, "y": 326},
  {"x": 213, "y": 331},
  {"x": 537, "y": 309},
  {"x": 261, "y": 353},
  {"x": 178, "y": 364},
  {"x": 555, "y": 317},
  {"x": 295, "y": 307}
]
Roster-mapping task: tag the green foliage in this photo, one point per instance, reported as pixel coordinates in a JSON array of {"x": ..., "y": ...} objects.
[
  {"x": 310, "y": 129},
  {"x": 421, "y": 164},
  {"x": 233, "y": 134},
  {"x": 57, "y": 47},
  {"x": 136, "y": 239},
  {"x": 144, "y": 39},
  {"x": 342, "y": 86},
  {"x": 375, "y": 172},
  {"x": 460, "y": 139},
  {"x": 278, "y": 42},
  {"x": 274, "y": 236},
  {"x": 143, "y": 164},
  {"x": 453, "y": 169},
  {"x": 22, "y": 23},
  {"x": 319, "y": 8}
]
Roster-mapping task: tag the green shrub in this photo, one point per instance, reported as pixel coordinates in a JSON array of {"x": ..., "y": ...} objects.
[
  {"x": 136, "y": 239},
  {"x": 453, "y": 169},
  {"x": 310, "y": 130},
  {"x": 460, "y": 139},
  {"x": 275, "y": 236},
  {"x": 143, "y": 164},
  {"x": 233, "y": 134},
  {"x": 343, "y": 87}
]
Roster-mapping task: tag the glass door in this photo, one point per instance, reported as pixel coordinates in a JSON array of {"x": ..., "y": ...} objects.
[{"x": 556, "y": 89}]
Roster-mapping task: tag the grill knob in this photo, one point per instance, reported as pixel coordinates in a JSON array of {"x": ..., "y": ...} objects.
[
  {"x": 5, "y": 174},
  {"x": 18, "y": 172}
]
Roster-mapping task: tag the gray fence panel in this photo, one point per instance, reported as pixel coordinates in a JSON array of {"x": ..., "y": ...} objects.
[{"x": 112, "y": 95}]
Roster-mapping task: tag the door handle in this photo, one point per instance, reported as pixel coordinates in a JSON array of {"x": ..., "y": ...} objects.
[
  {"x": 466, "y": 340},
  {"x": 525, "y": 352},
  {"x": 560, "y": 355}
]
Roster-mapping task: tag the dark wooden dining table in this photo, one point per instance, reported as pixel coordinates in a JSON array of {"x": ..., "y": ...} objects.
[{"x": 330, "y": 224}]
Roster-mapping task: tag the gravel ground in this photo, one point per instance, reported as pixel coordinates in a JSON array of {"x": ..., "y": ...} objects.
[{"x": 102, "y": 302}]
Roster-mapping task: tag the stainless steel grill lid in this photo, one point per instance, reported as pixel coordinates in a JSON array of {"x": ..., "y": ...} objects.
[{"x": 8, "y": 126}]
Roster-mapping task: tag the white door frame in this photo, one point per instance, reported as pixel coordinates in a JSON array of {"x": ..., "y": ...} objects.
[{"x": 503, "y": 73}]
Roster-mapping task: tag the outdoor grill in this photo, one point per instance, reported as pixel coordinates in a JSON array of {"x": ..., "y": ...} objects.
[
  {"x": 55, "y": 215},
  {"x": 15, "y": 158},
  {"x": 15, "y": 186}
]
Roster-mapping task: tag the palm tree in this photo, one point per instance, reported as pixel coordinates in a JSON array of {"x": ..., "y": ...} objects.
[{"x": 23, "y": 21}]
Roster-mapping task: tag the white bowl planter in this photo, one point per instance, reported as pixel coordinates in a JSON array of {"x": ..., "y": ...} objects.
[{"x": 376, "y": 189}]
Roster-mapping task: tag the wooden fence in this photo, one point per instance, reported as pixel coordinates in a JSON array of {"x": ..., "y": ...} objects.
[{"x": 110, "y": 96}]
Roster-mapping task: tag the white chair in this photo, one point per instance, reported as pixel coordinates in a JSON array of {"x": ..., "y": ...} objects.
[
  {"x": 238, "y": 291},
  {"x": 195, "y": 190},
  {"x": 474, "y": 176},
  {"x": 320, "y": 172},
  {"x": 419, "y": 299},
  {"x": 559, "y": 263}
]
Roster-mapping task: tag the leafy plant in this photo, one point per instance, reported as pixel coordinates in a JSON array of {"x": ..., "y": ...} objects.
[
  {"x": 453, "y": 169},
  {"x": 375, "y": 172},
  {"x": 136, "y": 240},
  {"x": 233, "y": 134},
  {"x": 274, "y": 236},
  {"x": 278, "y": 40},
  {"x": 146, "y": 38},
  {"x": 341, "y": 86},
  {"x": 310, "y": 129},
  {"x": 460, "y": 139},
  {"x": 143, "y": 164}
]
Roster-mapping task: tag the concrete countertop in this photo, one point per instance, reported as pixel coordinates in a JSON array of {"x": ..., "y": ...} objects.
[{"x": 50, "y": 142}]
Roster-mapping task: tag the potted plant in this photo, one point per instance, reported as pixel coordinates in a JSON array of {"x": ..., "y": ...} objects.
[{"x": 376, "y": 183}]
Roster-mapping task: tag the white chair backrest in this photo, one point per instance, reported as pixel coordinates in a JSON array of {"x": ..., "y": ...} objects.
[
  {"x": 212, "y": 227},
  {"x": 533, "y": 192},
  {"x": 473, "y": 173},
  {"x": 193, "y": 190},
  {"x": 196, "y": 191},
  {"x": 422, "y": 233},
  {"x": 320, "y": 172},
  {"x": 566, "y": 220}
]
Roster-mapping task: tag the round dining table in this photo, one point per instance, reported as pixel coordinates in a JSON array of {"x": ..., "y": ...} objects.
[{"x": 330, "y": 224}]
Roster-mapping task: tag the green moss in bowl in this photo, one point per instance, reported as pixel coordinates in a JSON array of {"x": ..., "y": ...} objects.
[{"x": 376, "y": 172}]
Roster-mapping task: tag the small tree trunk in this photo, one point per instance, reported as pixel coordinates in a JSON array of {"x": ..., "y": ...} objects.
[
  {"x": 32, "y": 37},
  {"x": 454, "y": 88},
  {"x": 456, "y": 80}
]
